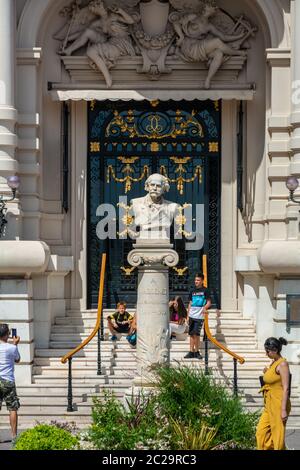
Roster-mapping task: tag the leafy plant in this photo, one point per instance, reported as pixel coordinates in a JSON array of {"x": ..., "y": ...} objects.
[
  {"x": 67, "y": 426},
  {"x": 115, "y": 427},
  {"x": 188, "y": 410},
  {"x": 46, "y": 437},
  {"x": 193, "y": 398},
  {"x": 190, "y": 439}
]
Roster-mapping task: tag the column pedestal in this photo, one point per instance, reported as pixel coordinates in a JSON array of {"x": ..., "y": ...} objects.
[{"x": 153, "y": 259}]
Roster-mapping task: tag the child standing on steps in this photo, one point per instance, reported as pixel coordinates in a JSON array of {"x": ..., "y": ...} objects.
[{"x": 200, "y": 302}]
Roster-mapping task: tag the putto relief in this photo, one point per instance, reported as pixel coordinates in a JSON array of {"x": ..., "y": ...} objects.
[{"x": 191, "y": 31}]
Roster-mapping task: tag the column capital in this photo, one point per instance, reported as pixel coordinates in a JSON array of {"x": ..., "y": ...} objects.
[{"x": 146, "y": 256}]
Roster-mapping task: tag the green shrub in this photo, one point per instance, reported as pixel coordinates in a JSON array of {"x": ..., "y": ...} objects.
[
  {"x": 117, "y": 428},
  {"x": 189, "y": 410},
  {"x": 46, "y": 437},
  {"x": 195, "y": 399}
]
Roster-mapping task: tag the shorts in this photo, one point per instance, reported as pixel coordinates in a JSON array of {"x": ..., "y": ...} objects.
[
  {"x": 195, "y": 327},
  {"x": 8, "y": 393},
  {"x": 122, "y": 328}
]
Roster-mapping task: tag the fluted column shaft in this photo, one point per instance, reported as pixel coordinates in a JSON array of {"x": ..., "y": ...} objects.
[
  {"x": 295, "y": 117},
  {"x": 8, "y": 113}
]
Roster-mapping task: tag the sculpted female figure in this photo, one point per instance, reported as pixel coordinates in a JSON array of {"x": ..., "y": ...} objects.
[
  {"x": 107, "y": 38},
  {"x": 196, "y": 44}
]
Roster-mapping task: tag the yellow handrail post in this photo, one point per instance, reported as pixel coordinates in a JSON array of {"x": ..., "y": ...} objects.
[
  {"x": 204, "y": 270},
  {"x": 99, "y": 312},
  {"x": 208, "y": 335},
  {"x": 68, "y": 357}
]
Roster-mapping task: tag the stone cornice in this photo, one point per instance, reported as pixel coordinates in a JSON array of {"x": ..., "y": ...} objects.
[
  {"x": 29, "y": 56},
  {"x": 279, "y": 57}
]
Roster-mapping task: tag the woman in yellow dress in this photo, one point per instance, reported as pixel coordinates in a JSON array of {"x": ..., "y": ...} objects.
[{"x": 270, "y": 433}]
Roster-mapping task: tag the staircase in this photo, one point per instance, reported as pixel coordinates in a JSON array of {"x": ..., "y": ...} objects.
[{"x": 46, "y": 398}]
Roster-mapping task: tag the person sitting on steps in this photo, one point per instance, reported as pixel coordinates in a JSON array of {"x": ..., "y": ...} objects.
[
  {"x": 178, "y": 316},
  {"x": 132, "y": 335},
  {"x": 120, "y": 321}
]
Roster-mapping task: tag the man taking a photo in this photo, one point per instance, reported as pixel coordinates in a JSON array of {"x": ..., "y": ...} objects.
[{"x": 9, "y": 355}]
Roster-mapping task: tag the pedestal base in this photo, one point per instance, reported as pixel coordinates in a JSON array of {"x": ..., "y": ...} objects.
[{"x": 153, "y": 259}]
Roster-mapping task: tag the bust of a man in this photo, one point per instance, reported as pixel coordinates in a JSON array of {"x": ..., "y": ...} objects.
[{"x": 153, "y": 214}]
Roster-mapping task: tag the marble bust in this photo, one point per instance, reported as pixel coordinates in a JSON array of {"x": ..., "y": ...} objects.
[{"x": 152, "y": 213}]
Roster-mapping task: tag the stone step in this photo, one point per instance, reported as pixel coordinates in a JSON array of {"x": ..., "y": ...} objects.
[
  {"x": 112, "y": 367},
  {"x": 224, "y": 331},
  {"x": 90, "y": 350},
  {"x": 39, "y": 411},
  {"x": 62, "y": 389},
  {"x": 79, "y": 371},
  {"x": 96, "y": 379},
  {"x": 233, "y": 336},
  {"x": 83, "y": 328},
  {"x": 83, "y": 371},
  {"x": 86, "y": 400},
  {"x": 76, "y": 361},
  {"x": 127, "y": 357},
  {"x": 82, "y": 422},
  {"x": 247, "y": 397},
  {"x": 89, "y": 322},
  {"x": 106, "y": 312},
  {"x": 231, "y": 343},
  {"x": 246, "y": 385}
]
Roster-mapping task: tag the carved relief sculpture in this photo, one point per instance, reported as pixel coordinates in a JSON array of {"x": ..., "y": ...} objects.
[
  {"x": 107, "y": 37},
  {"x": 200, "y": 40},
  {"x": 154, "y": 35},
  {"x": 185, "y": 30}
]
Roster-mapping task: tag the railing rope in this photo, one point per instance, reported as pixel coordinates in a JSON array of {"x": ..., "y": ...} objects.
[{"x": 68, "y": 357}]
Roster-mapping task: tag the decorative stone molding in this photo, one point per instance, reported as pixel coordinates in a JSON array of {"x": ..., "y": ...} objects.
[
  {"x": 192, "y": 32},
  {"x": 23, "y": 257},
  {"x": 280, "y": 257},
  {"x": 125, "y": 75},
  {"x": 29, "y": 56}
]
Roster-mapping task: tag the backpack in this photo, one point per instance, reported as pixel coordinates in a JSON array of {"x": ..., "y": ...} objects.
[{"x": 132, "y": 338}]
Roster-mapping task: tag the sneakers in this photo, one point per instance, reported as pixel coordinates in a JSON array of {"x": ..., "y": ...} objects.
[
  {"x": 189, "y": 355},
  {"x": 14, "y": 441},
  {"x": 198, "y": 355},
  {"x": 193, "y": 355},
  {"x": 113, "y": 338}
]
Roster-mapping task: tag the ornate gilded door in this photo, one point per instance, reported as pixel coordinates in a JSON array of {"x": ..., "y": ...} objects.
[{"x": 128, "y": 141}]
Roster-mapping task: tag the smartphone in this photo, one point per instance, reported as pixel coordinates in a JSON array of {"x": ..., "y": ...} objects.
[{"x": 14, "y": 332}]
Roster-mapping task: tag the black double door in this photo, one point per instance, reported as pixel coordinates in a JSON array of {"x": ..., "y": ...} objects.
[{"x": 127, "y": 142}]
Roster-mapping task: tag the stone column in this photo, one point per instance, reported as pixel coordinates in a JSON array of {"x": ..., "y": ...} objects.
[
  {"x": 8, "y": 113},
  {"x": 153, "y": 260},
  {"x": 295, "y": 117}
]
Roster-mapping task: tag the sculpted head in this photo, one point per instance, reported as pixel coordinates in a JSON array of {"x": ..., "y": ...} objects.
[
  {"x": 209, "y": 8},
  {"x": 97, "y": 7},
  {"x": 157, "y": 185}
]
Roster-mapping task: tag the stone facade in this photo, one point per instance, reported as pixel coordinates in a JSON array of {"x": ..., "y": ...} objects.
[{"x": 259, "y": 254}]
